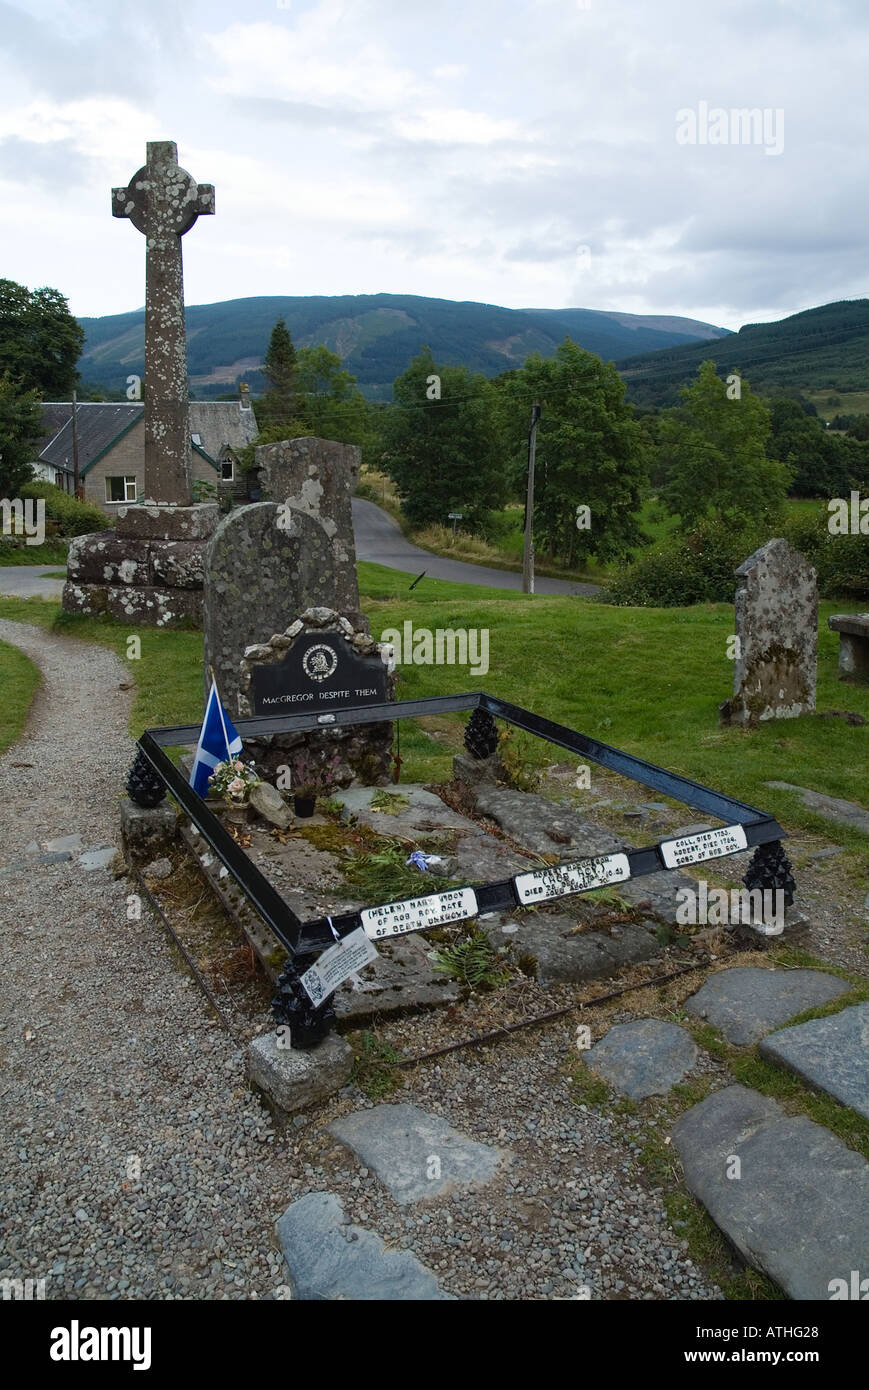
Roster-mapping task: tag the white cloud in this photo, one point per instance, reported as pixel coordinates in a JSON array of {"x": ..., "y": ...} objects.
[{"x": 459, "y": 151}]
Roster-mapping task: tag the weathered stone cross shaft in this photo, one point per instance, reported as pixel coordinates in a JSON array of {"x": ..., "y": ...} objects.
[{"x": 163, "y": 201}]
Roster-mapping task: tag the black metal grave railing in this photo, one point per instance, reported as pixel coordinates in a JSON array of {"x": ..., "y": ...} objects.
[{"x": 153, "y": 775}]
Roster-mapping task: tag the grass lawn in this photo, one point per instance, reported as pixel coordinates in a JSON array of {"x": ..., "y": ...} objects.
[
  {"x": 646, "y": 680},
  {"x": 850, "y": 402},
  {"x": 168, "y": 675},
  {"x": 653, "y": 519},
  {"x": 19, "y": 680},
  {"x": 51, "y": 553}
]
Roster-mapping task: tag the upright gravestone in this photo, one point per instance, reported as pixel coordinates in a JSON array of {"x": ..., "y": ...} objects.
[
  {"x": 776, "y": 650},
  {"x": 280, "y": 641},
  {"x": 318, "y": 477},
  {"x": 263, "y": 566}
]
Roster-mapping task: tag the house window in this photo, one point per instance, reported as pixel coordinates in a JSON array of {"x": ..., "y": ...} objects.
[
  {"x": 227, "y": 470},
  {"x": 121, "y": 489}
]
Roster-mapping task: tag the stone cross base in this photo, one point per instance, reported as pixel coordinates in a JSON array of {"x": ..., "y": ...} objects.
[
  {"x": 147, "y": 570},
  {"x": 853, "y": 630}
]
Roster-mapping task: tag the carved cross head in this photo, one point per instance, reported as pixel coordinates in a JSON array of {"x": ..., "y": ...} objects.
[{"x": 162, "y": 200}]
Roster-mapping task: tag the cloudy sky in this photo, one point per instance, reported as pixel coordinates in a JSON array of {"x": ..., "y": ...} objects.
[{"x": 519, "y": 152}]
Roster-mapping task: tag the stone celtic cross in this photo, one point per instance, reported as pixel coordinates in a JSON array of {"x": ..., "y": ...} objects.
[{"x": 163, "y": 201}]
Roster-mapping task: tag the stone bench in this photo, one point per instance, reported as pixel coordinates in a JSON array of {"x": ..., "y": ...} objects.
[{"x": 853, "y": 630}]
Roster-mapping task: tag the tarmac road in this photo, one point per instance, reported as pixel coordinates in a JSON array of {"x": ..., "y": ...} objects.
[{"x": 379, "y": 539}]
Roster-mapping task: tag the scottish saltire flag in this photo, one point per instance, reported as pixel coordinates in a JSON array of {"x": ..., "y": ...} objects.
[{"x": 218, "y": 741}]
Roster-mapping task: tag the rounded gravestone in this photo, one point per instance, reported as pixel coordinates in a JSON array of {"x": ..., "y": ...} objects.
[{"x": 264, "y": 565}]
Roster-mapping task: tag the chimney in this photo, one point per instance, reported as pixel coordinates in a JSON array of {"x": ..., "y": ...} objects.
[{"x": 244, "y": 395}]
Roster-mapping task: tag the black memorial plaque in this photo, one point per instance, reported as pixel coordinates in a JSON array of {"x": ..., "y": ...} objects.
[{"x": 320, "y": 672}]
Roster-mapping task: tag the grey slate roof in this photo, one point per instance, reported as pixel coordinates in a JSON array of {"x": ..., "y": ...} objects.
[
  {"x": 220, "y": 423},
  {"x": 101, "y": 424}
]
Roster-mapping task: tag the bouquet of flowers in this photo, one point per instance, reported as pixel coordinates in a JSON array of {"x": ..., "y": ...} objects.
[{"x": 233, "y": 780}]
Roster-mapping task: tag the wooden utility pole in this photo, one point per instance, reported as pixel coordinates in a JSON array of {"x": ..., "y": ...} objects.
[
  {"x": 76, "y": 481},
  {"x": 528, "y": 550}
]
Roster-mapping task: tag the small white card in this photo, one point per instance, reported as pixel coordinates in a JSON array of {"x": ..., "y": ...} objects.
[
  {"x": 416, "y": 914},
  {"x": 337, "y": 964},
  {"x": 709, "y": 844},
  {"x": 560, "y": 880}
]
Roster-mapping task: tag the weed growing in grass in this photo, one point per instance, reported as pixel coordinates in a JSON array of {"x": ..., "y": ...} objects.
[
  {"x": 389, "y": 803},
  {"x": 515, "y": 752},
  {"x": 376, "y": 1066},
  {"x": 586, "y": 1087},
  {"x": 473, "y": 962},
  {"x": 709, "y": 1249},
  {"x": 383, "y": 876}
]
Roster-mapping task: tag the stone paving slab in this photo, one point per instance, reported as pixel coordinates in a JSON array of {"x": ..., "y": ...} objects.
[
  {"x": 831, "y": 1054},
  {"x": 329, "y": 1259},
  {"x": 645, "y": 1057},
  {"x": 747, "y": 1002},
  {"x": 401, "y": 979},
  {"x": 97, "y": 858},
  {"x": 800, "y": 1208},
  {"x": 404, "y": 1146}
]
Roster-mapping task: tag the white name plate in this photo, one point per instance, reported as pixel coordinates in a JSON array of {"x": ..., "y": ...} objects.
[
  {"x": 709, "y": 844},
  {"x": 562, "y": 879},
  {"x": 333, "y": 967},
  {"x": 415, "y": 914}
]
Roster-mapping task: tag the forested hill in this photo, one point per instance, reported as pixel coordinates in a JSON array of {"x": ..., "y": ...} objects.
[
  {"x": 815, "y": 349},
  {"x": 376, "y": 335}
]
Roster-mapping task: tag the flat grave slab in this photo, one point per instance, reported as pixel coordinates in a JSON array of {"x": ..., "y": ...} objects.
[
  {"x": 747, "y": 1002},
  {"x": 423, "y": 810},
  {"x": 831, "y": 1054},
  {"x": 645, "y": 1057},
  {"x": 544, "y": 827},
  {"x": 800, "y": 1208},
  {"x": 330, "y": 1259},
  {"x": 563, "y": 955},
  {"x": 404, "y": 1145}
]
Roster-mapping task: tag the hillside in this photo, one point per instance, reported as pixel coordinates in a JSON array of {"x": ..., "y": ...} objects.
[
  {"x": 818, "y": 349},
  {"x": 375, "y": 335}
]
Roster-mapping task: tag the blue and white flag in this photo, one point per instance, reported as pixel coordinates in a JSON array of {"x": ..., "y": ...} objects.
[{"x": 218, "y": 741}]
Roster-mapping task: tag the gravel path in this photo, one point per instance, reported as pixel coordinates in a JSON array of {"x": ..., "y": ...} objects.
[{"x": 126, "y": 1069}]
